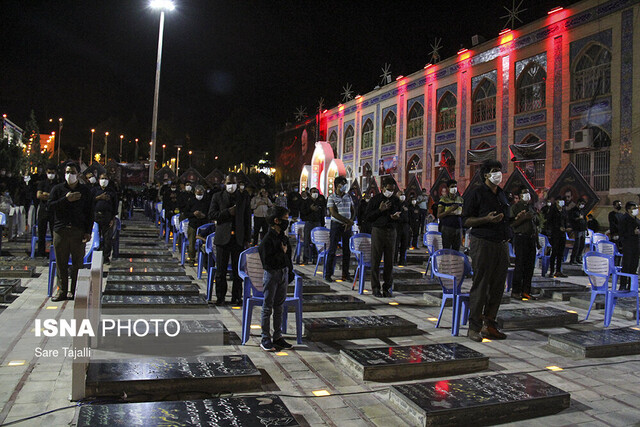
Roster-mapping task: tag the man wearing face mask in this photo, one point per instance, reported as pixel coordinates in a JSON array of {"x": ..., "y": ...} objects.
[
  {"x": 363, "y": 224},
  {"x": 232, "y": 216},
  {"x": 105, "y": 206},
  {"x": 71, "y": 204},
  {"x": 614, "y": 218},
  {"x": 312, "y": 211},
  {"x": 383, "y": 212},
  {"x": 170, "y": 200},
  {"x": 450, "y": 216},
  {"x": 45, "y": 218},
  {"x": 184, "y": 197},
  {"x": 260, "y": 204},
  {"x": 578, "y": 220},
  {"x": 414, "y": 221},
  {"x": 629, "y": 228},
  {"x": 403, "y": 230},
  {"x": 342, "y": 212},
  {"x": 525, "y": 234},
  {"x": 557, "y": 224},
  {"x": 423, "y": 204},
  {"x": 196, "y": 212},
  {"x": 293, "y": 203},
  {"x": 281, "y": 200},
  {"x": 486, "y": 211},
  {"x": 91, "y": 179}
]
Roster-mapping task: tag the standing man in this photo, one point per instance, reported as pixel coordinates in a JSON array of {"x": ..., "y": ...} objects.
[
  {"x": 260, "y": 205},
  {"x": 414, "y": 222},
  {"x": 231, "y": 213},
  {"x": 614, "y": 217},
  {"x": 342, "y": 213},
  {"x": 578, "y": 220},
  {"x": 70, "y": 202},
  {"x": 486, "y": 211},
  {"x": 105, "y": 205},
  {"x": 363, "y": 224},
  {"x": 196, "y": 212},
  {"x": 450, "y": 215},
  {"x": 403, "y": 231},
  {"x": 293, "y": 203},
  {"x": 629, "y": 227},
  {"x": 383, "y": 213},
  {"x": 312, "y": 211},
  {"x": 45, "y": 217},
  {"x": 423, "y": 202},
  {"x": 525, "y": 234},
  {"x": 557, "y": 225}
]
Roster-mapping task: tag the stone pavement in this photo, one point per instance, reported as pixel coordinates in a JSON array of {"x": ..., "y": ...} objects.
[{"x": 604, "y": 391}]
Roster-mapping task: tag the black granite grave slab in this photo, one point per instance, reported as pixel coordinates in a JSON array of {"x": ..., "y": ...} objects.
[
  {"x": 133, "y": 279},
  {"x": 485, "y": 400},
  {"x": 582, "y": 301},
  {"x": 140, "y": 234},
  {"x": 5, "y": 292},
  {"x": 151, "y": 289},
  {"x": 11, "y": 271},
  {"x": 600, "y": 343},
  {"x": 547, "y": 289},
  {"x": 416, "y": 285},
  {"x": 416, "y": 258},
  {"x": 625, "y": 308},
  {"x": 434, "y": 298},
  {"x": 357, "y": 327},
  {"x": 534, "y": 318},
  {"x": 312, "y": 287},
  {"x": 148, "y": 271},
  {"x": 144, "y": 262},
  {"x": 127, "y": 304},
  {"x": 319, "y": 302},
  {"x": 159, "y": 377},
  {"x": 12, "y": 260},
  {"x": 144, "y": 253},
  {"x": 267, "y": 410},
  {"x": 412, "y": 362}
]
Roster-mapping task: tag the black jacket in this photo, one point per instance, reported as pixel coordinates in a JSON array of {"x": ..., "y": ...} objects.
[
  {"x": 271, "y": 253},
  {"x": 194, "y": 205},
  {"x": 556, "y": 219},
  {"x": 71, "y": 214},
  {"x": 382, "y": 219},
  {"x": 628, "y": 239},
  {"x": 307, "y": 214},
  {"x": 239, "y": 224}
]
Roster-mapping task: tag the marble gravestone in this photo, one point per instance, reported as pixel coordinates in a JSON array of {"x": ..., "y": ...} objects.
[
  {"x": 416, "y": 285},
  {"x": 133, "y": 279},
  {"x": 147, "y": 271},
  {"x": 412, "y": 362},
  {"x": 263, "y": 411},
  {"x": 556, "y": 289},
  {"x": 128, "y": 304},
  {"x": 357, "y": 327},
  {"x": 11, "y": 271},
  {"x": 144, "y": 253},
  {"x": 143, "y": 262},
  {"x": 599, "y": 343},
  {"x": 534, "y": 318},
  {"x": 166, "y": 376},
  {"x": 434, "y": 299},
  {"x": 319, "y": 302},
  {"x": 151, "y": 289},
  {"x": 485, "y": 400},
  {"x": 583, "y": 300},
  {"x": 311, "y": 287}
]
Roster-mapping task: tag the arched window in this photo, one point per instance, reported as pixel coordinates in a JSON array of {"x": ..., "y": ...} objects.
[
  {"x": 475, "y": 166},
  {"x": 531, "y": 90},
  {"x": 533, "y": 170},
  {"x": 447, "y": 161},
  {"x": 591, "y": 73},
  {"x": 349, "y": 176},
  {"x": 367, "y": 134},
  {"x": 484, "y": 101},
  {"x": 333, "y": 142},
  {"x": 415, "y": 121},
  {"x": 389, "y": 128},
  {"x": 365, "y": 178},
  {"x": 414, "y": 168},
  {"x": 348, "y": 140},
  {"x": 595, "y": 166},
  {"x": 530, "y": 139},
  {"x": 447, "y": 112}
]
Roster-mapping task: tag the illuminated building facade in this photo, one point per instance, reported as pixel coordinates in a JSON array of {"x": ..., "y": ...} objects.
[{"x": 555, "y": 91}]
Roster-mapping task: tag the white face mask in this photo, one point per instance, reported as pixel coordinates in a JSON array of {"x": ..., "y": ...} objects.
[
  {"x": 71, "y": 178},
  {"x": 241, "y": 186},
  {"x": 387, "y": 193},
  {"x": 548, "y": 203},
  {"x": 92, "y": 180},
  {"x": 413, "y": 202},
  {"x": 188, "y": 188},
  {"x": 104, "y": 182},
  {"x": 27, "y": 178},
  {"x": 453, "y": 190},
  {"x": 526, "y": 197},
  {"x": 345, "y": 188},
  {"x": 51, "y": 176},
  {"x": 561, "y": 203},
  {"x": 231, "y": 188},
  {"x": 634, "y": 212},
  {"x": 314, "y": 196},
  {"x": 581, "y": 207},
  {"x": 402, "y": 198},
  {"x": 495, "y": 178},
  {"x": 199, "y": 196}
]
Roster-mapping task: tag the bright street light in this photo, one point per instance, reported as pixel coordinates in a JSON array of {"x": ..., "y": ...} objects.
[
  {"x": 162, "y": 5},
  {"x": 91, "y": 158}
]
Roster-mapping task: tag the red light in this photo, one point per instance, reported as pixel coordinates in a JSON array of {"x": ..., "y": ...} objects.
[
  {"x": 554, "y": 10},
  {"x": 399, "y": 77},
  {"x": 427, "y": 66},
  {"x": 358, "y": 96},
  {"x": 506, "y": 38},
  {"x": 505, "y": 31},
  {"x": 463, "y": 50},
  {"x": 324, "y": 111}
]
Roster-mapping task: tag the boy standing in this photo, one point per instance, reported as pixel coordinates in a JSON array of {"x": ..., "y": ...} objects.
[{"x": 275, "y": 254}]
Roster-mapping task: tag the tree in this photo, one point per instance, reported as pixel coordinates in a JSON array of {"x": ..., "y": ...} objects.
[{"x": 31, "y": 135}]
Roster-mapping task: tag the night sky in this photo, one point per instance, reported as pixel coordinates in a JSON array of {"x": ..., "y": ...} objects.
[{"x": 93, "y": 62}]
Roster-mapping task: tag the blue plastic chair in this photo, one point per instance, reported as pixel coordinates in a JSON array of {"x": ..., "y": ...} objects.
[
  {"x": 360, "y": 245},
  {"x": 163, "y": 223},
  {"x": 598, "y": 268},
  {"x": 607, "y": 247},
  {"x": 432, "y": 226},
  {"x": 299, "y": 233},
  {"x": 117, "y": 226},
  {"x": 432, "y": 240},
  {"x": 175, "y": 229},
  {"x": 567, "y": 248},
  {"x": 320, "y": 237},
  {"x": 252, "y": 274},
  {"x": 450, "y": 268},
  {"x": 597, "y": 237},
  {"x": 184, "y": 224},
  {"x": 3, "y": 223},
  {"x": 91, "y": 245},
  {"x": 545, "y": 248},
  {"x": 210, "y": 250},
  {"x": 34, "y": 239},
  {"x": 200, "y": 265},
  {"x": 512, "y": 253},
  {"x": 615, "y": 293},
  {"x": 156, "y": 212}
]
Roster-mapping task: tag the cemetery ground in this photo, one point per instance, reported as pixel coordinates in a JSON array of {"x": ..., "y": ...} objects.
[{"x": 386, "y": 364}]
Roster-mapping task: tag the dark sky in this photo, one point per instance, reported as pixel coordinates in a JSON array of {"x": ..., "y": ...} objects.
[{"x": 94, "y": 61}]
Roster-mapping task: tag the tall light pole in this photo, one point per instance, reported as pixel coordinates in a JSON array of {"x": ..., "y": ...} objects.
[
  {"x": 121, "y": 136},
  {"x": 178, "y": 159},
  {"x": 163, "y": 147},
  {"x": 136, "y": 153},
  {"x": 106, "y": 147},
  {"x": 190, "y": 164},
  {"x": 162, "y": 5},
  {"x": 91, "y": 158}
]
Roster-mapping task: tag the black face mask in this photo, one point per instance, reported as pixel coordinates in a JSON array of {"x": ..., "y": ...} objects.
[
  {"x": 618, "y": 207},
  {"x": 283, "y": 225}
]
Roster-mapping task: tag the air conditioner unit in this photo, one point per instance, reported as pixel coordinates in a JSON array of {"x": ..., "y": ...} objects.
[
  {"x": 583, "y": 139},
  {"x": 568, "y": 145},
  {"x": 437, "y": 158}
]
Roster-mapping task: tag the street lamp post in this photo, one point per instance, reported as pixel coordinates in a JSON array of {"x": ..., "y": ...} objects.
[
  {"x": 178, "y": 160},
  {"x": 136, "y": 153},
  {"x": 121, "y": 136},
  {"x": 91, "y": 158},
  {"x": 106, "y": 148},
  {"x": 163, "y": 147},
  {"x": 190, "y": 164},
  {"x": 162, "y": 5}
]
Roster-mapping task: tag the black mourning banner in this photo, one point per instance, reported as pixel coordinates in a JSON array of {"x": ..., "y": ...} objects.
[
  {"x": 96, "y": 169},
  {"x": 355, "y": 192},
  {"x": 475, "y": 182},
  {"x": 481, "y": 155},
  {"x": 165, "y": 174},
  {"x": 191, "y": 175},
  {"x": 413, "y": 188},
  {"x": 518, "y": 180},
  {"x": 215, "y": 178},
  {"x": 572, "y": 186},
  {"x": 528, "y": 152},
  {"x": 439, "y": 184},
  {"x": 372, "y": 188}
]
